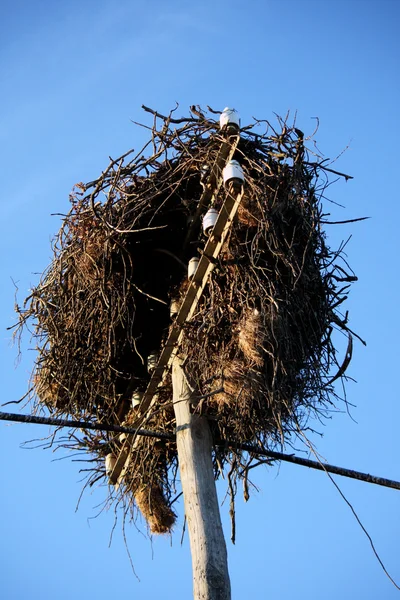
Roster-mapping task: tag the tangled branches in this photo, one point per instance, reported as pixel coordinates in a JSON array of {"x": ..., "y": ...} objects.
[{"x": 259, "y": 347}]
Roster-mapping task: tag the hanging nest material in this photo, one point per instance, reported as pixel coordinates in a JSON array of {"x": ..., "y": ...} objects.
[{"x": 259, "y": 347}]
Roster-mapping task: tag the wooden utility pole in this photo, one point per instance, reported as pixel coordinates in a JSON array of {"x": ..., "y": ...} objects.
[{"x": 207, "y": 543}]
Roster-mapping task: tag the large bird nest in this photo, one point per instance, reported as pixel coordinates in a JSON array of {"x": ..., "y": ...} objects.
[{"x": 259, "y": 348}]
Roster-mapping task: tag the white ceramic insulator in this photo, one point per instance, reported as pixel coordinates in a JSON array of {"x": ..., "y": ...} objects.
[
  {"x": 192, "y": 266},
  {"x": 233, "y": 171},
  {"x": 229, "y": 116},
  {"x": 174, "y": 308},
  {"x": 209, "y": 220},
  {"x": 136, "y": 399},
  {"x": 110, "y": 463},
  {"x": 152, "y": 361}
]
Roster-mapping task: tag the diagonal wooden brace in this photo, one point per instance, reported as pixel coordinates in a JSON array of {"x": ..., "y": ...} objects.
[{"x": 206, "y": 265}]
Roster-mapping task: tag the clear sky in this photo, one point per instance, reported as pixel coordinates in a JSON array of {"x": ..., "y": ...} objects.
[{"x": 72, "y": 76}]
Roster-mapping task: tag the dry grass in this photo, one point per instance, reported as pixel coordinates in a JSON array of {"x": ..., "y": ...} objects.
[
  {"x": 154, "y": 508},
  {"x": 261, "y": 336}
]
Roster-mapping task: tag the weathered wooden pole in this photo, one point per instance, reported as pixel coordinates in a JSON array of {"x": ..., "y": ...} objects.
[{"x": 207, "y": 543}]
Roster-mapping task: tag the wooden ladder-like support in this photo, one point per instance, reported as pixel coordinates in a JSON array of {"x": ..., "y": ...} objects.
[{"x": 196, "y": 286}]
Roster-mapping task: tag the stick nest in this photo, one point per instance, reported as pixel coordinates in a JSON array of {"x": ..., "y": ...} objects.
[{"x": 258, "y": 349}]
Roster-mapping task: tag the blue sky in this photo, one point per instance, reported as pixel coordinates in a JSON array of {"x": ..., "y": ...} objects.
[{"x": 73, "y": 75}]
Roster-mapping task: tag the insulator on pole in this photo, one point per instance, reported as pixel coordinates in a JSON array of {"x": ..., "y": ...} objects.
[
  {"x": 229, "y": 119},
  {"x": 136, "y": 399},
  {"x": 233, "y": 173},
  {"x": 209, "y": 220},
  {"x": 192, "y": 266}
]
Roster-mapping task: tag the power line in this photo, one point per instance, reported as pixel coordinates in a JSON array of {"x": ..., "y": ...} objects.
[
  {"x": 290, "y": 458},
  {"x": 83, "y": 425},
  {"x": 312, "y": 464}
]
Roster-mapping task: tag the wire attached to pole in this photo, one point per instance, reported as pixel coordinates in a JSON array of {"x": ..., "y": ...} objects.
[{"x": 250, "y": 448}]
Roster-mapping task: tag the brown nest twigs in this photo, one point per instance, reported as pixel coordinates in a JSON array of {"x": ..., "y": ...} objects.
[{"x": 259, "y": 347}]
